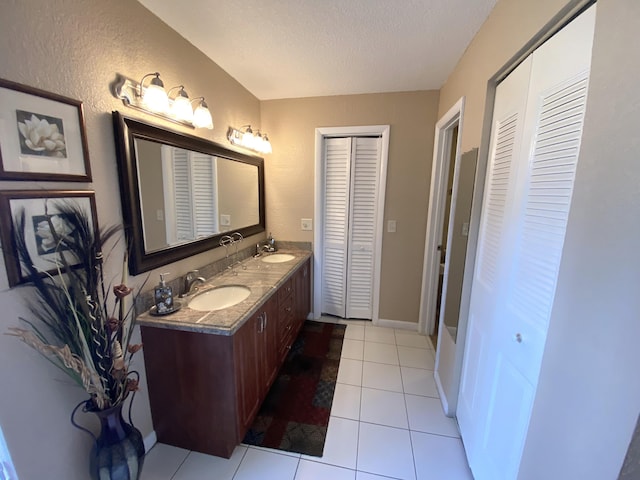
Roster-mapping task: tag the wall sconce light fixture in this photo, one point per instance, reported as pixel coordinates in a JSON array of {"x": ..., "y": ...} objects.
[
  {"x": 155, "y": 100},
  {"x": 253, "y": 141}
]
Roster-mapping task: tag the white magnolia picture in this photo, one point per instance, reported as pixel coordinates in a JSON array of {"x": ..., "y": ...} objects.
[
  {"x": 48, "y": 227},
  {"x": 41, "y": 135},
  {"x": 50, "y": 232}
]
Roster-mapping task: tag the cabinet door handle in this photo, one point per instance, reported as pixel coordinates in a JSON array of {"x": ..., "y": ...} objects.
[
  {"x": 288, "y": 309},
  {"x": 266, "y": 319}
]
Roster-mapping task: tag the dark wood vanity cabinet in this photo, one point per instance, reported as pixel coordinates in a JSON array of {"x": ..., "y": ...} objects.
[
  {"x": 255, "y": 360},
  {"x": 205, "y": 389}
]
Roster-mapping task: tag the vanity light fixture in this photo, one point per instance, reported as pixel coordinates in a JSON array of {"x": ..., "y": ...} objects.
[
  {"x": 153, "y": 99},
  {"x": 253, "y": 141}
]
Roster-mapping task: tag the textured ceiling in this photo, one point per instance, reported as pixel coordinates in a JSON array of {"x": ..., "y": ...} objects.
[{"x": 307, "y": 48}]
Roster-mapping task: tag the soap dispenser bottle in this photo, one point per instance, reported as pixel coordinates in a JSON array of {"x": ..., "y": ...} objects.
[
  {"x": 163, "y": 296},
  {"x": 271, "y": 242}
]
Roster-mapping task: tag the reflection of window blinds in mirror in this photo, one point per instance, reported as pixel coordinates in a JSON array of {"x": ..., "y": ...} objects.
[
  {"x": 182, "y": 195},
  {"x": 204, "y": 198},
  {"x": 196, "y": 204}
]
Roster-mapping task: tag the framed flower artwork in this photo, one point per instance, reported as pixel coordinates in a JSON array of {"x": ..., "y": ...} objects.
[
  {"x": 44, "y": 218},
  {"x": 42, "y": 136}
]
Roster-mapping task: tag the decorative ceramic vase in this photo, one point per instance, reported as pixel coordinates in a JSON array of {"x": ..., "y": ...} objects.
[{"x": 118, "y": 452}]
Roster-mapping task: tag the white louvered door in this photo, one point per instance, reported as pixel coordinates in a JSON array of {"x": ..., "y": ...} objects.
[
  {"x": 191, "y": 205},
  {"x": 337, "y": 173},
  {"x": 204, "y": 176},
  {"x": 476, "y": 384},
  {"x": 365, "y": 154},
  {"x": 519, "y": 251},
  {"x": 351, "y": 172}
]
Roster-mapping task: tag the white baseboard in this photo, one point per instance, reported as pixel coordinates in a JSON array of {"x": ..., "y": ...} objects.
[
  {"x": 150, "y": 440},
  {"x": 400, "y": 325}
]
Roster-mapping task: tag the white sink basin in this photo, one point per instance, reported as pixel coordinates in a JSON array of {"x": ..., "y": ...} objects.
[
  {"x": 278, "y": 258},
  {"x": 219, "y": 298}
]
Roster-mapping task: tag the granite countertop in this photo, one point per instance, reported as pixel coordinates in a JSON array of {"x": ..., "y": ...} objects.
[{"x": 262, "y": 278}]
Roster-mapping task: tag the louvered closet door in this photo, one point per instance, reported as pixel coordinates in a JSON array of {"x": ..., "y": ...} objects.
[
  {"x": 203, "y": 194},
  {"x": 351, "y": 173},
  {"x": 337, "y": 171},
  {"x": 191, "y": 204},
  {"x": 362, "y": 214},
  {"x": 492, "y": 258},
  {"x": 509, "y": 319},
  {"x": 180, "y": 226}
]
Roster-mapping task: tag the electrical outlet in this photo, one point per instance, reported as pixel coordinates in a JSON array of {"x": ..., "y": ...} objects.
[
  {"x": 391, "y": 226},
  {"x": 306, "y": 224},
  {"x": 465, "y": 229}
]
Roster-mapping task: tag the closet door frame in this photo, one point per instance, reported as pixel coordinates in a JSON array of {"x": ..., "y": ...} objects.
[{"x": 354, "y": 131}]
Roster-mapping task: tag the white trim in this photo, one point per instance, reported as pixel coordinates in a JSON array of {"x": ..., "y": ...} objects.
[
  {"x": 441, "y": 393},
  {"x": 397, "y": 324},
  {"x": 321, "y": 133},
  {"x": 149, "y": 441},
  {"x": 437, "y": 195}
]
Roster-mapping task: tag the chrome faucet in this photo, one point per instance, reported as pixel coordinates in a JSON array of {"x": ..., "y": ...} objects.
[
  {"x": 233, "y": 239},
  {"x": 191, "y": 282}
]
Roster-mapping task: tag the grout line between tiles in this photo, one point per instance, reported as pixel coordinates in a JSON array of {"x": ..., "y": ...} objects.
[
  {"x": 180, "y": 466},
  {"x": 376, "y": 474},
  {"x": 240, "y": 463},
  {"x": 297, "y": 467},
  {"x": 359, "y": 416},
  {"x": 406, "y": 409}
]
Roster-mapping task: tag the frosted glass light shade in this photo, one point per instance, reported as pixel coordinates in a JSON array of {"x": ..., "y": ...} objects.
[
  {"x": 202, "y": 116},
  {"x": 266, "y": 145},
  {"x": 247, "y": 138},
  {"x": 155, "y": 98},
  {"x": 181, "y": 108}
]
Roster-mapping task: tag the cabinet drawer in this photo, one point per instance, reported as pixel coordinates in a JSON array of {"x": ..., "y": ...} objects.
[{"x": 285, "y": 291}]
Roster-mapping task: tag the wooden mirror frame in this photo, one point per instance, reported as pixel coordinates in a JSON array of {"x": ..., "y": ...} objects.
[{"x": 127, "y": 130}]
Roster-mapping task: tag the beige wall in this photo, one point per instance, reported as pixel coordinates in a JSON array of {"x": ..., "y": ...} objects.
[
  {"x": 511, "y": 24},
  {"x": 75, "y": 48},
  {"x": 238, "y": 194},
  {"x": 151, "y": 194},
  {"x": 289, "y": 173}
]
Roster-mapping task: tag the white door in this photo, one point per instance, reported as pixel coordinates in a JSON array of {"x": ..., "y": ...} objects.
[
  {"x": 337, "y": 175},
  {"x": 191, "y": 205},
  {"x": 538, "y": 115},
  {"x": 352, "y": 170}
]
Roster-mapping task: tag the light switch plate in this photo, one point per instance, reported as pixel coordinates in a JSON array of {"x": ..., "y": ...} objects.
[
  {"x": 306, "y": 224},
  {"x": 391, "y": 226},
  {"x": 160, "y": 215},
  {"x": 225, "y": 220}
]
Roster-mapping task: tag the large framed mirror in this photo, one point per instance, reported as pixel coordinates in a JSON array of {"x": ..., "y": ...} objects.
[{"x": 181, "y": 193}]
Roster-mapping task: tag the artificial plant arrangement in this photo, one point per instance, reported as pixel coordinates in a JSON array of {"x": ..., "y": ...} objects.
[{"x": 83, "y": 324}]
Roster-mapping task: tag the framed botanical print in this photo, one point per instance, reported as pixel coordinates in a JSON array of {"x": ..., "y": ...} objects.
[
  {"x": 45, "y": 224},
  {"x": 42, "y": 136}
]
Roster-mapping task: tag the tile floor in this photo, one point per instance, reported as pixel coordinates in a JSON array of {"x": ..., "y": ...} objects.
[{"x": 386, "y": 423}]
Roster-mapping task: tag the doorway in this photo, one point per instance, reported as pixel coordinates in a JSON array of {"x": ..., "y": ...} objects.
[
  {"x": 324, "y": 248},
  {"x": 452, "y": 190},
  {"x": 442, "y": 199}
]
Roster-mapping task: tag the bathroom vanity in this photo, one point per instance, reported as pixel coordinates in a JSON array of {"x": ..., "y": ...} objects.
[{"x": 209, "y": 371}]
